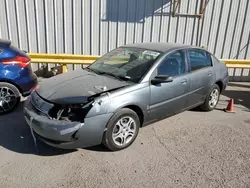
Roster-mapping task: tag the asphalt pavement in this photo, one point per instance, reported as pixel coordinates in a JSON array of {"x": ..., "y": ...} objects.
[{"x": 191, "y": 149}]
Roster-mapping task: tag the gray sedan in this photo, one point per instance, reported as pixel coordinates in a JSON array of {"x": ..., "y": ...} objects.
[{"x": 125, "y": 89}]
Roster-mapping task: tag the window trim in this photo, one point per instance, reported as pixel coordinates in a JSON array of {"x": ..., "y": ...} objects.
[
  {"x": 214, "y": 59},
  {"x": 189, "y": 63},
  {"x": 210, "y": 58}
]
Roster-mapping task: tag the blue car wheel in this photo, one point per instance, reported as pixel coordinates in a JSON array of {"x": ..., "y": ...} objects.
[{"x": 9, "y": 97}]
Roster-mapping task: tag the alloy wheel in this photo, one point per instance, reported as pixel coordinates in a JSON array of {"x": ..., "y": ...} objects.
[
  {"x": 8, "y": 99},
  {"x": 213, "y": 98},
  {"x": 124, "y": 131}
]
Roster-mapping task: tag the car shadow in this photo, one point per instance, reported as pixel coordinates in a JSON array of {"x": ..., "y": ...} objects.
[
  {"x": 99, "y": 148},
  {"x": 237, "y": 84},
  {"x": 240, "y": 98},
  {"x": 15, "y": 136}
]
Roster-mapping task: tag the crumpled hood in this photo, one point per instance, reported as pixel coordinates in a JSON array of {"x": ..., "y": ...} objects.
[{"x": 76, "y": 86}]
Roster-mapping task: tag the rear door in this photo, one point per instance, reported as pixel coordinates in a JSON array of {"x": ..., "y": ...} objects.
[
  {"x": 201, "y": 75},
  {"x": 169, "y": 98}
]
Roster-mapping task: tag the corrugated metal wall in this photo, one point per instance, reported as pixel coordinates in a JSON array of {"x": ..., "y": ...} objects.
[{"x": 97, "y": 26}]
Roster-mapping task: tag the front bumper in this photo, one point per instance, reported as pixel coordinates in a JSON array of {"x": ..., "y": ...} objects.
[{"x": 66, "y": 134}]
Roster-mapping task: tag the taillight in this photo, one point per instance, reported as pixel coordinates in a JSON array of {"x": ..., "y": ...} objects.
[
  {"x": 18, "y": 60},
  {"x": 34, "y": 88},
  {"x": 31, "y": 89}
]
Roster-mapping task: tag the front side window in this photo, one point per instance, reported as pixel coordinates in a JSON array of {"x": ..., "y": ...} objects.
[
  {"x": 199, "y": 59},
  {"x": 173, "y": 65},
  {"x": 125, "y": 63}
]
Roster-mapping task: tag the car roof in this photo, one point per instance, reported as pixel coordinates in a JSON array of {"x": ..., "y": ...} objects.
[
  {"x": 159, "y": 46},
  {"x": 5, "y": 42}
]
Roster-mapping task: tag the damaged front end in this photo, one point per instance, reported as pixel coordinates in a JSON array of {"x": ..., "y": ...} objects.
[
  {"x": 70, "y": 112},
  {"x": 58, "y": 123}
]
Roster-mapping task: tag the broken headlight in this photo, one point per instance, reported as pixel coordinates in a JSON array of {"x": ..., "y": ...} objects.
[{"x": 72, "y": 112}]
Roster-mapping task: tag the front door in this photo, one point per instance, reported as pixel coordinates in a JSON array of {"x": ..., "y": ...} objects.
[{"x": 171, "y": 97}]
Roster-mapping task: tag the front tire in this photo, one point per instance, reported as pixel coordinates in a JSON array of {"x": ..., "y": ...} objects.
[
  {"x": 212, "y": 99},
  {"x": 9, "y": 97},
  {"x": 122, "y": 130}
]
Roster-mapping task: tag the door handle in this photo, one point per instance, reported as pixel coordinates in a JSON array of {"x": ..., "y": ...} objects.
[
  {"x": 209, "y": 74},
  {"x": 183, "y": 82}
]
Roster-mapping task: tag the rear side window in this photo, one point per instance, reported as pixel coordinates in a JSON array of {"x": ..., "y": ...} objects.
[{"x": 199, "y": 59}]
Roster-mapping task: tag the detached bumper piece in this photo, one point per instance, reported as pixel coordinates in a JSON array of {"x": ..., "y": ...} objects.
[{"x": 49, "y": 130}]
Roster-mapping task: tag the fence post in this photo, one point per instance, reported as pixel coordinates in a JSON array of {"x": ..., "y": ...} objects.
[{"x": 64, "y": 68}]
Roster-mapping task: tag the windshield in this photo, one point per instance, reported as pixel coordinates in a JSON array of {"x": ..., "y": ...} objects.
[{"x": 125, "y": 63}]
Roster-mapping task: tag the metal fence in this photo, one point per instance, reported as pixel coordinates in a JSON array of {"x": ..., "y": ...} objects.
[{"x": 93, "y": 27}]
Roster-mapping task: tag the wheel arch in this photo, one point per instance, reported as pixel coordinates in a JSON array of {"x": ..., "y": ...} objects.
[
  {"x": 220, "y": 84},
  {"x": 136, "y": 108},
  {"x": 12, "y": 83},
  {"x": 138, "y": 111}
]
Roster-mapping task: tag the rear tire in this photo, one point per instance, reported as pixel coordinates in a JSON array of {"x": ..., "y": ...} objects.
[
  {"x": 212, "y": 99},
  {"x": 122, "y": 130},
  {"x": 9, "y": 97}
]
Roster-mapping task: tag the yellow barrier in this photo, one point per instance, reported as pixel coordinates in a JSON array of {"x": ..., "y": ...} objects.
[
  {"x": 64, "y": 59},
  {"x": 237, "y": 63}
]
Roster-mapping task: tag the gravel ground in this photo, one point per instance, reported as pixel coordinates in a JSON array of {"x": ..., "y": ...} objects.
[{"x": 191, "y": 149}]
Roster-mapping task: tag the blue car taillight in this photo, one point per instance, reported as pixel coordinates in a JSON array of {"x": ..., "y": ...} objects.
[{"x": 21, "y": 61}]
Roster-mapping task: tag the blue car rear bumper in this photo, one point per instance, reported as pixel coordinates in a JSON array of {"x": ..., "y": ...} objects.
[{"x": 27, "y": 84}]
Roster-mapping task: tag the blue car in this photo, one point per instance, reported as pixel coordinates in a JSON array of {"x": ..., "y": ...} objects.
[{"x": 16, "y": 76}]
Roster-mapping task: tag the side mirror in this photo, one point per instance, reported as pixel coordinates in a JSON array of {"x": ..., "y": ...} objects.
[{"x": 162, "y": 79}]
